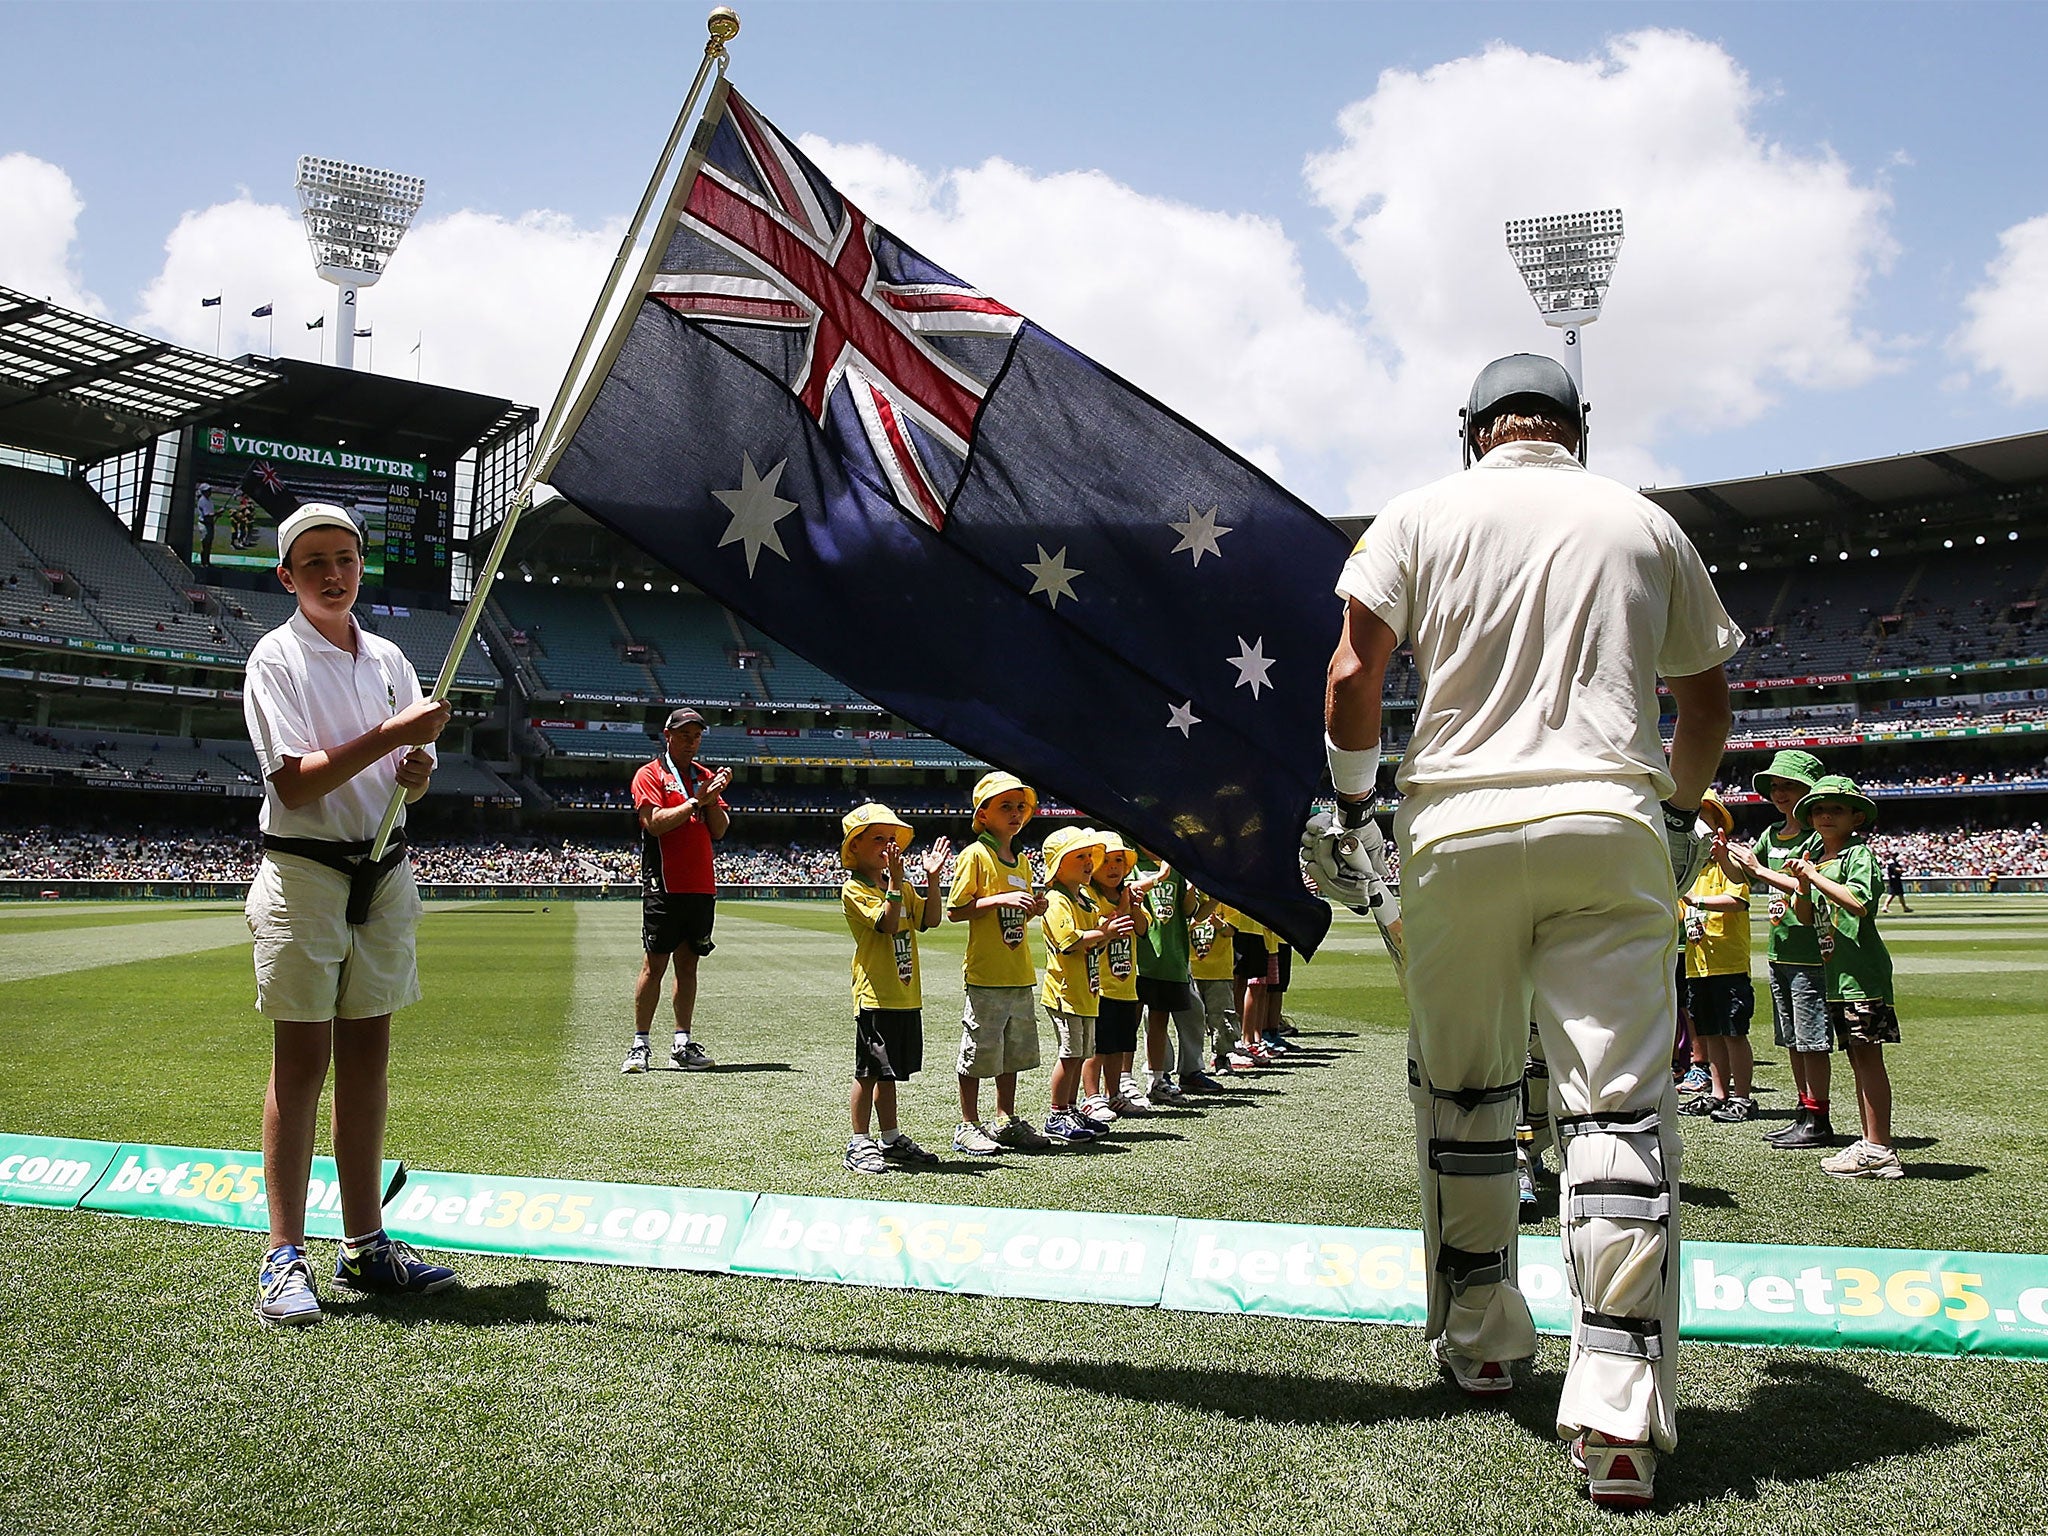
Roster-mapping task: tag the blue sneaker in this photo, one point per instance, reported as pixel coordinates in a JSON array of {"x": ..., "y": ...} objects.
[
  {"x": 391, "y": 1269},
  {"x": 1062, "y": 1125},
  {"x": 286, "y": 1285}
]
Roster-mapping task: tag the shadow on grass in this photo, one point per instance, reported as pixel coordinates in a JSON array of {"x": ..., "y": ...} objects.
[
  {"x": 1944, "y": 1172},
  {"x": 726, "y": 1070},
  {"x": 1706, "y": 1196},
  {"x": 510, "y": 1305}
]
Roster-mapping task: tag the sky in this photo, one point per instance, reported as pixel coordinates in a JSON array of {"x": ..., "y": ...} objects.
[{"x": 1285, "y": 220}]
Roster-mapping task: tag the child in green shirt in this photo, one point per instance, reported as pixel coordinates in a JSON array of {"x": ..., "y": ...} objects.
[{"x": 1839, "y": 884}]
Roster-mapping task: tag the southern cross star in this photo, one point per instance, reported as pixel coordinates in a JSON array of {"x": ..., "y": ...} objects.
[
  {"x": 1252, "y": 665},
  {"x": 1199, "y": 533},
  {"x": 756, "y": 509},
  {"x": 1182, "y": 718},
  {"x": 1052, "y": 575}
]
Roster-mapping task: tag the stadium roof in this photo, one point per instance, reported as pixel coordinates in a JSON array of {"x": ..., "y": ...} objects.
[
  {"x": 398, "y": 417},
  {"x": 1940, "y": 487},
  {"x": 80, "y": 388}
]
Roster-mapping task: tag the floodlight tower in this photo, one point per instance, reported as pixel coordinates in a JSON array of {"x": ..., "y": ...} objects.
[
  {"x": 1567, "y": 259},
  {"x": 355, "y": 216}
]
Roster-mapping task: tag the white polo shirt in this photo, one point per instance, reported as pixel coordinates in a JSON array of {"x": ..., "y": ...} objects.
[
  {"x": 305, "y": 694},
  {"x": 1542, "y": 602}
]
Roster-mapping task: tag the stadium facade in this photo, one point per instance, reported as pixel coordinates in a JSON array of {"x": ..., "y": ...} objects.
[{"x": 1893, "y": 610}]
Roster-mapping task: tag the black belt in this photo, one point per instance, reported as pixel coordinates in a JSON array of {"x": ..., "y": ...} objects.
[{"x": 365, "y": 875}]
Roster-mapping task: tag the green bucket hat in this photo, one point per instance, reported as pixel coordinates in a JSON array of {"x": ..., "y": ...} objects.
[
  {"x": 1799, "y": 767},
  {"x": 1839, "y": 787}
]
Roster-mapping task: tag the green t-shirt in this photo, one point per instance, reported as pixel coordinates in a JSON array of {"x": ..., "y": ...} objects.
[
  {"x": 1163, "y": 952},
  {"x": 1859, "y": 966},
  {"x": 1792, "y": 942}
]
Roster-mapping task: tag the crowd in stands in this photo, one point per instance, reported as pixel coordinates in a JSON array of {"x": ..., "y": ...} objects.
[{"x": 230, "y": 857}]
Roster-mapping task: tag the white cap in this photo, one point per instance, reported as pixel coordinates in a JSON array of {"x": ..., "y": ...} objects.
[{"x": 314, "y": 514}]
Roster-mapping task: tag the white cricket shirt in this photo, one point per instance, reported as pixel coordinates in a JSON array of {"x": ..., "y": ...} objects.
[
  {"x": 304, "y": 694},
  {"x": 1542, "y": 603}
]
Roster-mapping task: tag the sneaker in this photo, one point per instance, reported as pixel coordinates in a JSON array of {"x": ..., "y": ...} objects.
[
  {"x": 692, "y": 1058},
  {"x": 1165, "y": 1090},
  {"x": 863, "y": 1156},
  {"x": 1698, "y": 1080},
  {"x": 1126, "y": 1107},
  {"x": 285, "y": 1286},
  {"x": 1018, "y": 1134},
  {"x": 1734, "y": 1112},
  {"x": 1274, "y": 1042},
  {"x": 1261, "y": 1054},
  {"x": 974, "y": 1141},
  {"x": 1477, "y": 1378},
  {"x": 1864, "y": 1160},
  {"x": 1097, "y": 1108},
  {"x": 1235, "y": 1060},
  {"x": 907, "y": 1152},
  {"x": 1199, "y": 1082},
  {"x": 1064, "y": 1125},
  {"x": 1525, "y": 1184},
  {"x": 392, "y": 1269},
  {"x": 1619, "y": 1475},
  {"x": 636, "y": 1056},
  {"x": 1814, "y": 1131},
  {"x": 1705, "y": 1104}
]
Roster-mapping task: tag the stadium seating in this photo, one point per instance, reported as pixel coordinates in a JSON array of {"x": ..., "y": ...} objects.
[
  {"x": 789, "y": 679},
  {"x": 692, "y": 639},
  {"x": 573, "y": 641},
  {"x": 425, "y": 634},
  {"x": 69, "y": 528}
]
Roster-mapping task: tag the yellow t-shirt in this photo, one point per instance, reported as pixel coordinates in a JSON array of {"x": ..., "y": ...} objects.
[
  {"x": 1249, "y": 925},
  {"x": 1072, "y": 974},
  {"x": 1716, "y": 943},
  {"x": 884, "y": 964},
  {"x": 1119, "y": 964},
  {"x": 1209, "y": 951},
  {"x": 998, "y": 941}
]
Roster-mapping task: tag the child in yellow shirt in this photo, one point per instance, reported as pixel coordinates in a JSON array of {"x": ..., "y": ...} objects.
[
  {"x": 1075, "y": 933},
  {"x": 1106, "y": 1077},
  {"x": 992, "y": 893},
  {"x": 1211, "y": 962},
  {"x": 885, "y": 913}
]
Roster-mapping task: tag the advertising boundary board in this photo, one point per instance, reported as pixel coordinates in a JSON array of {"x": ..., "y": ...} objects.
[{"x": 1902, "y": 1301}]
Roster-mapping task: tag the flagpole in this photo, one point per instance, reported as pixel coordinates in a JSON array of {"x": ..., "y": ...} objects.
[{"x": 723, "y": 25}]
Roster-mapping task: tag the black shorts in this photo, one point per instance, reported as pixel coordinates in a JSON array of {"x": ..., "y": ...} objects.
[
  {"x": 888, "y": 1044},
  {"x": 673, "y": 920},
  {"x": 1166, "y": 996},
  {"x": 1116, "y": 1026},
  {"x": 1720, "y": 1005},
  {"x": 1252, "y": 961}
]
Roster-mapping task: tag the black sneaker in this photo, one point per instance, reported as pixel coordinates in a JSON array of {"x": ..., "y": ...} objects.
[
  {"x": 1734, "y": 1112},
  {"x": 1705, "y": 1104}
]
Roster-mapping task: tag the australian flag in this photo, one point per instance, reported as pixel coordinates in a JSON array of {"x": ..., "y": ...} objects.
[
  {"x": 262, "y": 484},
  {"x": 970, "y": 523}
]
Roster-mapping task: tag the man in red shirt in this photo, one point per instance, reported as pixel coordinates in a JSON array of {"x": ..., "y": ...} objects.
[{"x": 677, "y": 800}]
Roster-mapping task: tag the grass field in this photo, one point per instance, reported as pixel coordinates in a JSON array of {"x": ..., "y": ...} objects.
[{"x": 140, "y": 1395}]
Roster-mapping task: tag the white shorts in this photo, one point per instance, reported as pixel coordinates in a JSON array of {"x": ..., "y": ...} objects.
[{"x": 310, "y": 965}]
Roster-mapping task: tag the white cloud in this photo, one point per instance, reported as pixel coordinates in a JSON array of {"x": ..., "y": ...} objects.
[
  {"x": 495, "y": 303},
  {"x": 39, "y": 209},
  {"x": 1745, "y": 265},
  {"x": 2007, "y": 330}
]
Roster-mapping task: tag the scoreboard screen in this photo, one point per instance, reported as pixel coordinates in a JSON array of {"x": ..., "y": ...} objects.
[{"x": 244, "y": 486}]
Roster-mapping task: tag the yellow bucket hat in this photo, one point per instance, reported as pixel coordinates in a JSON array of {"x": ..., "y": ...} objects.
[
  {"x": 1001, "y": 783},
  {"x": 1065, "y": 841},
  {"x": 860, "y": 818},
  {"x": 1716, "y": 814}
]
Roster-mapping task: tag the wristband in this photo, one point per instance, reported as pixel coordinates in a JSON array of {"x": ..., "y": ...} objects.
[
  {"x": 1353, "y": 773},
  {"x": 893, "y": 895}
]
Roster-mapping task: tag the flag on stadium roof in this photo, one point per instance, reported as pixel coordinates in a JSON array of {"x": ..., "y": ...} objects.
[
  {"x": 319, "y": 323},
  {"x": 209, "y": 303},
  {"x": 260, "y": 312},
  {"x": 363, "y": 333},
  {"x": 977, "y": 527}
]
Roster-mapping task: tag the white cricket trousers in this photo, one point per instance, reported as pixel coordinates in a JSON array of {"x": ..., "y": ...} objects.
[{"x": 1569, "y": 922}]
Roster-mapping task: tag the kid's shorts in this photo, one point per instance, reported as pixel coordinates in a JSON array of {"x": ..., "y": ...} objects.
[
  {"x": 1720, "y": 1005},
  {"x": 1077, "y": 1035},
  {"x": 1116, "y": 1026},
  {"x": 1799, "y": 1008},
  {"x": 311, "y": 966},
  {"x": 998, "y": 1031},
  {"x": 888, "y": 1044},
  {"x": 1864, "y": 1023},
  {"x": 1262, "y": 967}
]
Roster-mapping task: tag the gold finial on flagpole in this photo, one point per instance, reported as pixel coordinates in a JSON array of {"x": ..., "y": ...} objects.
[{"x": 724, "y": 25}]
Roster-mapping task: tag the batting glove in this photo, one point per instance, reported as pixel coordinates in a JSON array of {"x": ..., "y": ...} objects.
[{"x": 1689, "y": 839}]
